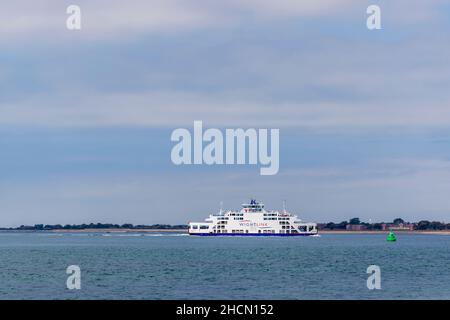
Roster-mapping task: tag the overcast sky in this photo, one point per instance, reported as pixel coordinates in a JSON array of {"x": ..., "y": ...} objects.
[{"x": 86, "y": 116}]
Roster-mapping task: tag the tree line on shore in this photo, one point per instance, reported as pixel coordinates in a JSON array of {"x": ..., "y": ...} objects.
[{"x": 421, "y": 225}]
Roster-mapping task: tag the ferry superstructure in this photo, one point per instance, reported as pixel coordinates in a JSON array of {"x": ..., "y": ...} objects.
[{"x": 252, "y": 220}]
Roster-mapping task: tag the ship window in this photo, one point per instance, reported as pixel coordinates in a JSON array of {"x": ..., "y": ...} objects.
[
  {"x": 194, "y": 227},
  {"x": 203, "y": 227}
]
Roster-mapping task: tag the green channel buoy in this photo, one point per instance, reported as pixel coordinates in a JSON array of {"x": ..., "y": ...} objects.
[{"x": 391, "y": 237}]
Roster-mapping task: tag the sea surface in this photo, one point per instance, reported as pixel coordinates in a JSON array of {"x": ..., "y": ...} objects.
[{"x": 176, "y": 266}]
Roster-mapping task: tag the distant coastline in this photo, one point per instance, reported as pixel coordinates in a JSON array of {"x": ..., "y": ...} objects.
[
  {"x": 353, "y": 226},
  {"x": 424, "y": 232}
]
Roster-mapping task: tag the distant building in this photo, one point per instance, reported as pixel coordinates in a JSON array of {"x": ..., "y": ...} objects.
[
  {"x": 355, "y": 227},
  {"x": 397, "y": 227}
]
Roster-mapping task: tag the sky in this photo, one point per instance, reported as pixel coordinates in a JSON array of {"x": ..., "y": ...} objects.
[{"x": 86, "y": 116}]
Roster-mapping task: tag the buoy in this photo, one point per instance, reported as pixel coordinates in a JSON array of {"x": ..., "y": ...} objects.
[{"x": 391, "y": 236}]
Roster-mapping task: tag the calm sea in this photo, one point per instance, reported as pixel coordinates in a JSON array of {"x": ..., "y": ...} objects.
[{"x": 172, "y": 266}]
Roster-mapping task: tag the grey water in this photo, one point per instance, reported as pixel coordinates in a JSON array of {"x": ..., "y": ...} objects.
[{"x": 175, "y": 266}]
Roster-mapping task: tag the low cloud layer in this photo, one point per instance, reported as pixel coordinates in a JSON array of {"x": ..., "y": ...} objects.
[{"x": 380, "y": 191}]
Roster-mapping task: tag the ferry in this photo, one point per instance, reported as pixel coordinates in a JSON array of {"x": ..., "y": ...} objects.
[{"x": 252, "y": 220}]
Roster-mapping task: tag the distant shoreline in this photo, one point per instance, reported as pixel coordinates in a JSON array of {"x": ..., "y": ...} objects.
[
  {"x": 121, "y": 230},
  {"x": 425, "y": 232}
]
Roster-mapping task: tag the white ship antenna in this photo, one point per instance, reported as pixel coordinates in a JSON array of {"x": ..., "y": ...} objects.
[
  {"x": 284, "y": 206},
  {"x": 221, "y": 207}
]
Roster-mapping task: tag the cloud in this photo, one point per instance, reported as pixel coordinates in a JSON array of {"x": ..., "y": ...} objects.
[
  {"x": 316, "y": 82},
  {"x": 44, "y": 20},
  {"x": 172, "y": 109},
  {"x": 100, "y": 19},
  {"x": 271, "y": 73}
]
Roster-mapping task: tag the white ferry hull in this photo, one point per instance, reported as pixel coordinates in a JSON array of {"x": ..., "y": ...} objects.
[{"x": 253, "y": 234}]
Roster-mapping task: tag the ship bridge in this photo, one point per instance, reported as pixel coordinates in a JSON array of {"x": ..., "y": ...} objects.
[{"x": 253, "y": 206}]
